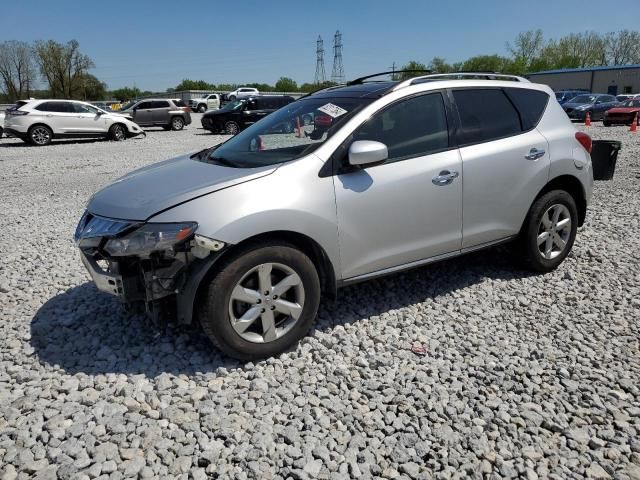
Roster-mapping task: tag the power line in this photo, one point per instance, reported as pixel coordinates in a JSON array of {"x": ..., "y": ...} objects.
[
  {"x": 319, "y": 78},
  {"x": 337, "y": 75}
]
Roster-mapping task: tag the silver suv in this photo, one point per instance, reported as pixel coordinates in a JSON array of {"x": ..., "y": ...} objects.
[{"x": 244, "y": 237}]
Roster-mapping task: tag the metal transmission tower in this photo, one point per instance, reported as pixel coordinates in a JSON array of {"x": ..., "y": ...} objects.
[
  {"x": 319, "y": 78},
  {"x": 337, "y": 75}
]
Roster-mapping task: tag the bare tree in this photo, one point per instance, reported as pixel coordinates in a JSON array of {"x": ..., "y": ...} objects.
[
  {"x": 63, "y": 67},
  {"x": 17, "y": 69},
  {"x": 622, "y": 47},
  {"x": 526, "y": 47}
]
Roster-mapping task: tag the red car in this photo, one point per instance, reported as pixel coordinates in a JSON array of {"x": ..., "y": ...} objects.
[{"x": 624, "y": 114}]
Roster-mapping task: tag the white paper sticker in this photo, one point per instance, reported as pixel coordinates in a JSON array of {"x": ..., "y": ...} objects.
[{"x": 332, "y": 110}]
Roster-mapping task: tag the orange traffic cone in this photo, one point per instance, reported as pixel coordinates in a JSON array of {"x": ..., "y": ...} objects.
[
  {"x": 587, "y": 120},
  {"x": 298, "y": 129},
  {"x": 634, "y": 124}
]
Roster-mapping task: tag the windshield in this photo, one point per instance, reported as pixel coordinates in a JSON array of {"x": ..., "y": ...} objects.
[
  {"x": 233, "y": 105},
  {"x": 583, "y": 99},
  {"x": 559, "y": 95},
  {"x": 289, "y": 133},
  {"x": 128, "y": 105}
]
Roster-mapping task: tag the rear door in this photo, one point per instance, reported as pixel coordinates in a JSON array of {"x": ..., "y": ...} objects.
[
  {"x": 160, "y": 112},
  {"x": 505, "y": 160},
  {"x": 143, "y": 115},
  {"x": 60, "y": 116}
]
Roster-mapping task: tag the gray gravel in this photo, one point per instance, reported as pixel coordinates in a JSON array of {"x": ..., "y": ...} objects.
[{"x": 525, "y": 376}]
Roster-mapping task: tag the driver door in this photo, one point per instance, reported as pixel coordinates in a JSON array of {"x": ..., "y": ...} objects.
[
  {"x": 396, "y": 213},
  {"x": 143, "y": 114},
  {"x": 87, "y": 119}
]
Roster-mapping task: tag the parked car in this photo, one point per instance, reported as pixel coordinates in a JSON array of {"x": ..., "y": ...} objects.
[
  {"x": 564, "y": 96},
  {"x": 594, "y": 103},
  {"x": 626, "y": 96},
  {"x": 239, "y": 114},
  {"x": 243, "y": 92},
  {"x": 211, "y": 101},
  {"x": 168, "y": 113},
  {"x": 41, "y": 121},
  {"x": 244, "y": 237},
  {"x": 101, "y": 105},
  {"x": 624, "y": 114}
]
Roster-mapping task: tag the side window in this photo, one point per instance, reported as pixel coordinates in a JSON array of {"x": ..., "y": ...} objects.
[
  {"x": 44, "y": 107},
  {"x": 410, "y": 128},
  {"x": 530, "y": 104},
  {"x": 252, "y": 105},
  {"x": 159, "y": 104},
  {"x": 485, "y": 115},
  {"x": 80, "y": 108},
  {"x": 144, "y": 105}
]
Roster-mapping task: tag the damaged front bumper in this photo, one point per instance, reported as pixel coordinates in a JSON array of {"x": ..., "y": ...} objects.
[{"x": 164, "y": 284}]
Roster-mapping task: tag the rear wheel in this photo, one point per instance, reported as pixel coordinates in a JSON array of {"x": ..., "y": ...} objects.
[
  {"x": 117, "y": 133},
  {"x": 40, "y": 135},
  {"x": 177, "y": 123},
  {"x": 549, "y": 231},
  {"x": 231, "y": 128},
  {"x": 202, "y": 108},
  {"x": 261, "y": 301},
  {"x": 606, "y": 123}
]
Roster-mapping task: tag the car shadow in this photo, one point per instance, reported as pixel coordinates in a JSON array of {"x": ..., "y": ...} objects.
[
  {"x": 22, "y": 144},
  {"x": 85, "y": 330}
]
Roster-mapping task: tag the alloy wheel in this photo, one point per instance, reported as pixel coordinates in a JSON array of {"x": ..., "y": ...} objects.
[
  {"x": 40, "y": 136},
  {"x": 266, "y": 303},
  {"x": 554, "y": 231},
  {"x": 118, "y": 133}
]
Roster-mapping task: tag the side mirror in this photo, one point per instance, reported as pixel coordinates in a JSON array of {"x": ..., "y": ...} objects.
[
  {"x": 100, "y": 112},
  {"x": 366, "y": 152}
]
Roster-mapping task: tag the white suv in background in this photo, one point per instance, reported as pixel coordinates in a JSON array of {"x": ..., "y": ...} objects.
[
  {"x": 244, "y": 92},
  {"x": 40, "y": 121}
]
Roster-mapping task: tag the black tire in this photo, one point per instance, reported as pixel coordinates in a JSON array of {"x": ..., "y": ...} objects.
[
  {"x": 40, "y": 135},
  {"x": 231, "y": 128},
  {"x": 177, "y": 123},
  {"x": 117, "y": 132},
  {"x": 534, "y": 228},
  {"x": 214, "y": 310},
  {"x": 606, "y": 124},
  {"x": 202, "y": 108}
]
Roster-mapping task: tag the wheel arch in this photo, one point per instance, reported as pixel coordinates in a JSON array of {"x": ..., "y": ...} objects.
[
  {"x": 573, "y": 187},
  {"x": 42, "y": 124},
  {"x": 307, "y": 245}
]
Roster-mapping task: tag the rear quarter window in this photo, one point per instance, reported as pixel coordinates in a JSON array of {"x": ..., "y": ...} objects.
[
  {"x": 179, "y": 103},
  {"x": 485, "y": 115},
  {"x": 531, "y": 104}
]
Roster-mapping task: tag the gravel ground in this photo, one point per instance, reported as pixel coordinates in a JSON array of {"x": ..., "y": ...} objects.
[{"x": 525, "y": 375}]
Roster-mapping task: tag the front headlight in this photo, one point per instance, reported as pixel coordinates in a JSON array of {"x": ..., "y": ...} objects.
[{"x": 151, "y": 237}]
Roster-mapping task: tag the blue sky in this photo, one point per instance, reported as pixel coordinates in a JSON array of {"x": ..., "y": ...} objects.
[{"x": 155, "y": 44}]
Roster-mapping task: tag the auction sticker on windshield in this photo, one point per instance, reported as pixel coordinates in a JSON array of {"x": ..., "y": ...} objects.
[{"x": 332, "y": 110}]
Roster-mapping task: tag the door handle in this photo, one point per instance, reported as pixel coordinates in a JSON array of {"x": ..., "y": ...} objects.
[
  {"x": 534, "y": 154},
  {"x": 445, "y": 177}
]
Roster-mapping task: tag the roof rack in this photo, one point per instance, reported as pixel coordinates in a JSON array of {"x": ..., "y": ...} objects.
[
  {"x": 361, "y": 80},
  {"x": 461, "y": 76}
]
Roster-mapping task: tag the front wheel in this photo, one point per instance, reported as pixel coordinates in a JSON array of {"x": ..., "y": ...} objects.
[
  {"x": 202, "y": 108},
  {"x": 261, "y": 301},
  {"x": 117, "y": 133},
  {"x": 231, "y": 128},
  {"x": 177, "y": 123},
  {"x": 549, "y": 231},
  {"x": 606, "y": 123}
]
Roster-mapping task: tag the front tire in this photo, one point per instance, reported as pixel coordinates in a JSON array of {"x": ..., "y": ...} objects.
[
  {"x": 202, "y": 108},
  {"x": 177, "y": 123},
  {"x": 261, "y": 301},
  {"x": 606, "y": 123},
  {"x": 549, "y": 231},
  {"x": 231, "y": 128},
  {"x": 117, "y": 133},
  {"x": 40, "y": 135}
]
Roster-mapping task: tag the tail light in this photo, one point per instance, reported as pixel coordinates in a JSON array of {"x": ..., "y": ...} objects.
[
  {"x": 585, "y": 140},
  {"x": 185, "y": 109},
  {"x": 17, "y": 112}
]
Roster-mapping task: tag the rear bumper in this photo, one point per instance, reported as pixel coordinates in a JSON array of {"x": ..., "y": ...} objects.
[{"x": 12, "y": 132}]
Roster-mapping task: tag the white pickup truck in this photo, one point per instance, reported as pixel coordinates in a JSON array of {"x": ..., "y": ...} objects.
[{"x": 211, "y": 101}]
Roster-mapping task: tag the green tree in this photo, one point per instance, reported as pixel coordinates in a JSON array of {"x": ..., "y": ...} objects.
[
  {"x": 412, "y": 65},
  {"x": 526, "y": 47},
  {"x": 439, "y": 65},
  {"x": 63, "y": 66},
  {"x": 126, "y": 93},
  {"x": 286, "y": 84},
  {"x": 188, "y": 84},
  {"x": 92, "y": 88}
]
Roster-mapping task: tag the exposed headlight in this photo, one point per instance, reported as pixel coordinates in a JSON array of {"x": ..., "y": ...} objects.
[{"x": 151, "y": 237}]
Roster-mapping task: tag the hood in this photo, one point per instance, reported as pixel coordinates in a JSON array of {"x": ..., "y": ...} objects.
[{"x": 152, "y": 189}]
